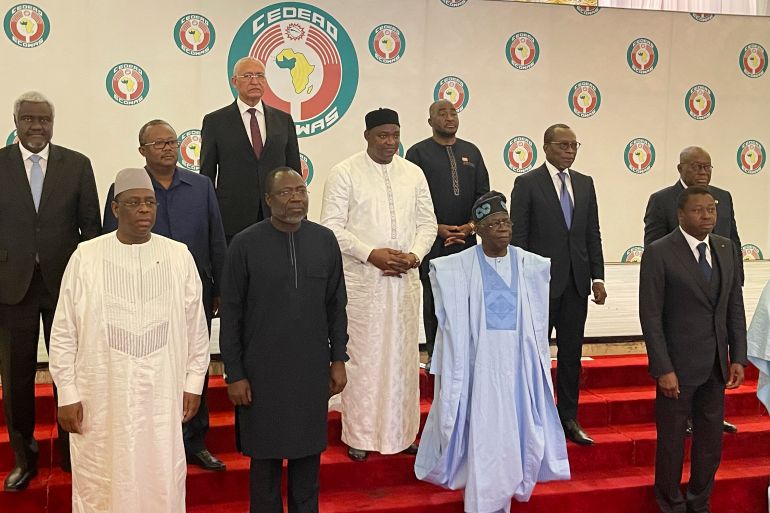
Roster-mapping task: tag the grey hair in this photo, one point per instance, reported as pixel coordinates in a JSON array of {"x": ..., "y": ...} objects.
[
  {"x": 31, "y": 97},
  {"x": 248, "y": 58}
]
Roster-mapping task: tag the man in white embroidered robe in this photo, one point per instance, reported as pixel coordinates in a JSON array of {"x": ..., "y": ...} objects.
[
  {"x": 493, "y": 427},
  {"x": 129, "y": 352},
  {"x": 379, "y": 207}
]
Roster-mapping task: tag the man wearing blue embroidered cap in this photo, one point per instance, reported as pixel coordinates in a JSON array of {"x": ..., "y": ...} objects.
[{"x": 493, "y": 428}]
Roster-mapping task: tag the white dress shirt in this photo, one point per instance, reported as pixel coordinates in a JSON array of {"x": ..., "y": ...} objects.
[
  {"x": 693, "y": 243},
  {"x": 557, "y": 181},
  {"x": 26, "y": 154},
  {"x": 243, "y": 107}
]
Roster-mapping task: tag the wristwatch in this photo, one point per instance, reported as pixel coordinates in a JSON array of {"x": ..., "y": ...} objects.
[
  {"x": 473, "y": 227},
  {"x": 416, "y": 261}
]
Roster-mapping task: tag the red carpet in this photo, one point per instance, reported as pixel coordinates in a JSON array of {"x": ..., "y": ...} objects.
[{"x": 614, "y": 476}]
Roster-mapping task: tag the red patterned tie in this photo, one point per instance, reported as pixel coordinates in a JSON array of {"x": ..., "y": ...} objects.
[{"x": 256, "y": 135}]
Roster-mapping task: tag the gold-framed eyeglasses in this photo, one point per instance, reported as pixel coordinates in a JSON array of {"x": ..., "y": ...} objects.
[
  {"x": 134, "y": 204},
  {"x": 701, "y": 167},
  {"x": 248, "y": 77},
  {"x": 500, "y": 223},
  {"x": 159, "y": 145},
  {"x": 286, "y": 194},
  {"x": 563, "y": 145}
]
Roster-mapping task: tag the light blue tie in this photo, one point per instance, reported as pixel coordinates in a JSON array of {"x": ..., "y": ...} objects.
[
  {"x": 36, "y": 179},
  {"x": 565, "y": 200}
]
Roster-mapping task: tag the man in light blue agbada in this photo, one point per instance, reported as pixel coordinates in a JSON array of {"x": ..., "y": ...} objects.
[{"x": 493, "y": 428}]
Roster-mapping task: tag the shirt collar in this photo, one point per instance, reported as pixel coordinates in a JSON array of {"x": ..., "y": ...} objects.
[
  {"x": 25, "y": 153},
  {"x": 682, "y": 183},
  {"x": 243, "y": 107},
  {"x": 693, "y": 242},
  {"x": 552, "y": 169},
  {"x": 178, "y": 178}
]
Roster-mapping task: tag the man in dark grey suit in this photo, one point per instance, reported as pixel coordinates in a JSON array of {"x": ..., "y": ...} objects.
[
  {"x": 554, "y": 214},
  {"x": 48, "y": 204},
  {"x": 694, "y": 326},
  {"x": 242, "y": 143},
  {"x": 661, "y": 217}
]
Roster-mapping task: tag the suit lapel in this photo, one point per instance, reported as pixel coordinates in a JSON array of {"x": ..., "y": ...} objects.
[
  {"x": 239, "y": 130},
  {"x": 269, "y": 124},
  {"x": 580, "y": 193},
  {"x": 18, "y": 175},
  {"x": 549, "y": 193},
  {"x": 53, "y": 173},
  {"x": 687, "y": 259},
  {"x": 723, "y": 255}
]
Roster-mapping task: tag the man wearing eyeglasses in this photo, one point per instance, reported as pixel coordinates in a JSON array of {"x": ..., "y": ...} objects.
[
  {"x": 187, "y": 212},
  {"x": 129, "y": 353},
  {"x": 48, "y": 205},
  {"x": 660, "y": 218},
  {"x": 555, "y": 215},
  {"x": 242, "y": 143}
]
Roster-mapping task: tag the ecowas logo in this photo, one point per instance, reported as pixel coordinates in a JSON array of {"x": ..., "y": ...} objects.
[
  {"x": 699, "y": 102},
  {"x": 702, "y": 16},
  {"x": 751, "y": 252},
  {"x": 128, "y": 84},
  {"x": 11, "y": 139},
  {"x": 587, "y": 10},
  {"x": 584, "y": 99},
  {"x": 522, "y": 50},
  {"x": 189, "y": 156},
  {"x": 194, "y": 34},
  {"x": 520, "y": 154},
  {"x": 642, "y": 56},
  {"x": 454, "y": 90},
  {"x": 633, "y": 255},
  {"x": 309, "y": 59},
  {"x": 26, "y": 25},
  {"x": 387, "y": 44},
  {"x": 753, "y": 60},
  {"x": 751, "y": 157},
  {"x": 307, "y": 168},
  {"x": 454, "y": 3},
  {"x": 639, "y": 156}
]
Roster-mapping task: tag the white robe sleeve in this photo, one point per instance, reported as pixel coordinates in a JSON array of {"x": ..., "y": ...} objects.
[
  {"x": 197, "y": 332},
  {"x": 334, "y": 214},
  {"x": 425, "y": 218},
  {"x": 64, "y": 334}
]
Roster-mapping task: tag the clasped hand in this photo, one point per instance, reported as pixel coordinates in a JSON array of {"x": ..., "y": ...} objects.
[{"x": 392, "y": 262}]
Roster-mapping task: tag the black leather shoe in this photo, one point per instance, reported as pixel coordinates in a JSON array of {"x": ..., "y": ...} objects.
[
  {"x": 727, "y": 427},
  {"x": 206, "y": 460},
  {"x": 688, "y": 431},
  {"x": 357, "y": 454},
  {"x": 412, "y": 449},
  {"x": 19, "y": 479},
  {"x": 574, "y": 432}
]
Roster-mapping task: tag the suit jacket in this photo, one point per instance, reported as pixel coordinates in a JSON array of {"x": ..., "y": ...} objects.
[
  {"x": 679, "y": 322},
  {"x": 661, "y": 218},
  {"x": 68, "y": 214},
  {"x": 227, "y": 157},
  {"x": 539, "y": 227}
]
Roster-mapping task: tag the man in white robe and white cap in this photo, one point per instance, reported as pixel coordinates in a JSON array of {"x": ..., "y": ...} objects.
[
  {"x": 379, "y": 207},
  {"x": 129, "y": 352},
  {"x": 493, "y": 427}
]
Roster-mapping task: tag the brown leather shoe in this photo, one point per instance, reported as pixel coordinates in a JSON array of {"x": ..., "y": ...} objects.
[
  {"x": 19, "y": 479},
  {"x": 412, "y": 449}
]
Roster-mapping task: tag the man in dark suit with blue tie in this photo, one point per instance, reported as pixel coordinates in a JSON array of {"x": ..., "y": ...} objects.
[
  {"x": 242, "y": 143},
  {"x": 694, "y": 326},
  {"x": 661, "y": 217},
  {"x": 555, "y": 214},
  {"x": 48, "y": 205}
]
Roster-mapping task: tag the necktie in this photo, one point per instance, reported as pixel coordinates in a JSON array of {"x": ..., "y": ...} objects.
[
  {"x": 36, "y": 179},
  {"x": 565, "y": 200},
  {"x": 702, "y": 262},
  {"x": 256, "y": 135}
]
